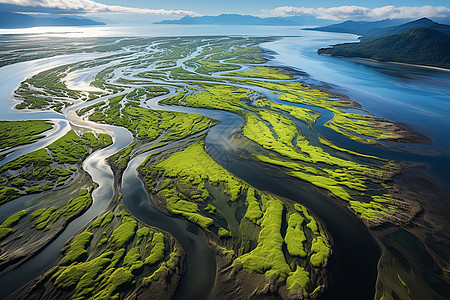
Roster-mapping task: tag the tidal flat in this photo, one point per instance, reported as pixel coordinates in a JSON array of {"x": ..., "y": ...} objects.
[{"x": 239, "y": 153}]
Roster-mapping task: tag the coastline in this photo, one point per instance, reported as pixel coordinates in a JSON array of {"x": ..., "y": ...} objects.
[{"x": 386, "y": 62}]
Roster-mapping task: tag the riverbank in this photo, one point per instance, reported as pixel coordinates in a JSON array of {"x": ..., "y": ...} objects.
[{"x": 389, "y": 62}]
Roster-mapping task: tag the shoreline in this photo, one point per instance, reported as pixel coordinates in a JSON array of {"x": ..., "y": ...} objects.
[{"x": 386, "y": 62}]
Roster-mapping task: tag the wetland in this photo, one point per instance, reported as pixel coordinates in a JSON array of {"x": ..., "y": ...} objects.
[{"x": 207, "y": 167}]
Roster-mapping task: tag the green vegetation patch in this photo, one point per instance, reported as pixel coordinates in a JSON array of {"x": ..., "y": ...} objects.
[
  {"x": 217, "y": 96},
  {"x": 16, "y": 133},
  {"x": 97, "y": 142},
  {"x": 306, "y": 115},
  {"x": 7, "y": 194},
  {"x": 33, "y": 190},
  {"x": 68, "y": 149},
  {"x": 72, "y": 148},
  {"x": 14, "y": 219},
  {"x": 5, "y": 231},
  {"x": 6, "y": 227},
  {"x": 262, "y": 72},
  {"x": 77, "y": 205},
  {"x": 185, "y": 164},
  {"x": 103, "y": 221},
  {"x": 43, "y": 218},
  {"x": 358, "y": 127},
  {"x": 253, "y": 212},
  {"x": 268, "y": 258},
  {"x": 371, "y": 210},
  {"x": 120, "y": 159},
  {"x": 223, "y": 233},
  {"x": 123, "y": 234},
  {"x": 18, "y": 182},
  {"x": 247, "y": 59},
  {"x": 207, "y": 67},
  {"x": 239, "y": 52},
  {"x": 133, "y": 259},
  {"x": 295, "y": 237},
  {"x": 211, "y": 209},
  {"x": 36, "y": 158},
  {"x": 321, "y": 251},
  {"x": 121, "y": 277},
  {"x": 158, "y": 249},
  {"x": 298, "y": 281},
  {"x": 184, "y": 177},
  {"x": 77, "y": 250},
  {"x": 74, "y": 207}
]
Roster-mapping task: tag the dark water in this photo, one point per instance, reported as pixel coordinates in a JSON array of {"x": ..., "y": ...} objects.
[{"x": 415, "y": 261}]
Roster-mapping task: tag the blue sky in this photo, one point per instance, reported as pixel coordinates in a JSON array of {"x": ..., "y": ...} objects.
[
  {"x": 151, "y": 10},
  {"x": 213, "y": 7}
]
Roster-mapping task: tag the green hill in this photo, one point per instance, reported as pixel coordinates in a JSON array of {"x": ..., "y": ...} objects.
[
  {"x": 423, "y": 22},
  {"x": 428, "y": 45}
]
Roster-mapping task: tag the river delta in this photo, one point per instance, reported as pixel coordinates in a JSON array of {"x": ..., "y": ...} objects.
[{"x": 198, "y": 167}]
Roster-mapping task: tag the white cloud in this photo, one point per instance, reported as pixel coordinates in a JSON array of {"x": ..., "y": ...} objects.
[
  {"x": 89, "y": 6},
  {"x": 362, "y": 13}
]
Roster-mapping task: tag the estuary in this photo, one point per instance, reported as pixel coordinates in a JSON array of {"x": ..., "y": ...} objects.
[{"x": 231, "y": 164}]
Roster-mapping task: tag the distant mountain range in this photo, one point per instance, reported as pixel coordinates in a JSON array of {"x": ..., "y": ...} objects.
[
  {"x": 421, "y": 42},
  {"x": 16, "y": 20},
  {"x": 236, "y": 19},
  {"x": 359, "y": 27}
]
